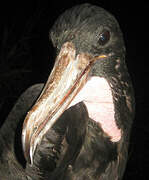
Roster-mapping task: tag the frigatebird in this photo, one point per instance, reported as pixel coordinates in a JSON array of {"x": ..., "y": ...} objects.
[{"x": 79, "y": 126}]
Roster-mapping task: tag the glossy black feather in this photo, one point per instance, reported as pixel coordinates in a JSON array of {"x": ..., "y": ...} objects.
[{"x": 74, "y": 148}]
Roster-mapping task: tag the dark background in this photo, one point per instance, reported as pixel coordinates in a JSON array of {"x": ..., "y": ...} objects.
[{"x": 26, "y": 58}]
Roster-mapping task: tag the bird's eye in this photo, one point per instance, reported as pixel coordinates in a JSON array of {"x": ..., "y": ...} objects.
[{"x": 104, "y": 37}]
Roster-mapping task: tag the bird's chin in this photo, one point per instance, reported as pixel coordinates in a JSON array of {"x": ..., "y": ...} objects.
[{"x": 69, "y": 75}]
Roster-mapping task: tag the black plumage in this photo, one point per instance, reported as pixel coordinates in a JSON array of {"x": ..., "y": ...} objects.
[{"x": 76, "y": 147}]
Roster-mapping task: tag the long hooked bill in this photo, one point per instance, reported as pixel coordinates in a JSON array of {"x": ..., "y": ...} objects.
[{"x": 68, "y": 76}]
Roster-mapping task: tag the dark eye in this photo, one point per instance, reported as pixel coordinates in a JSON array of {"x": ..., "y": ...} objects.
[{"x": 104, "y": 37}]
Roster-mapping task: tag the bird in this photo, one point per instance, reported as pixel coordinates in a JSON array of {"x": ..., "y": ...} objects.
[{"x": 77, "y": 125}]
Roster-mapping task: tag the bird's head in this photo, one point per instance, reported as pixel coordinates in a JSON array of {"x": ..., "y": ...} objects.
[
  {"x": 92, "y": 31},
  {"x": 88, "y": 42}
]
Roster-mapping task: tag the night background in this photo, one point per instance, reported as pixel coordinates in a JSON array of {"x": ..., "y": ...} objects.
[{"x": 27, "y": 57}]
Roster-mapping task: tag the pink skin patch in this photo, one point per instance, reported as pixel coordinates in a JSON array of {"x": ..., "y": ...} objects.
[{"x": 97, "y": 96}]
